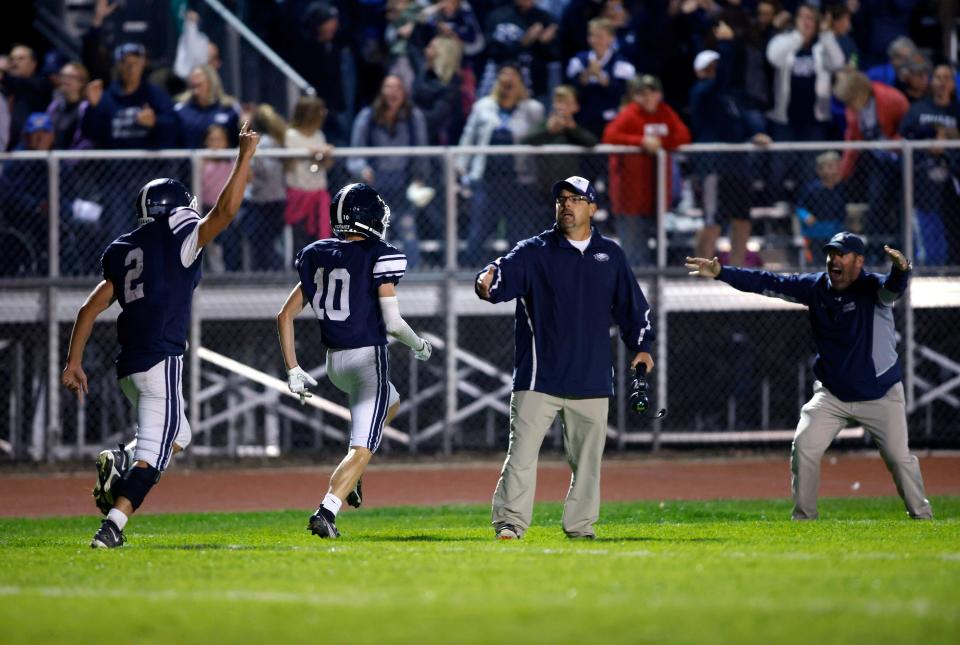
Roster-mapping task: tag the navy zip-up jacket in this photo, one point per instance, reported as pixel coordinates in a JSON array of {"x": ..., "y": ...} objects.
[
  {"x": 853, "y": 329},
  {"x": 565, "y": 303}
]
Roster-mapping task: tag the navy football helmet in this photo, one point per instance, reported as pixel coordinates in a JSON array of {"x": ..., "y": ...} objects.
[
  {"x": 160, "y": 197},
  {"x": 360, "y": 210}
]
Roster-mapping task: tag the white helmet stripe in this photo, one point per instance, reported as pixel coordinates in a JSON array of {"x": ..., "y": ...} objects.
[{"x": 343, "y": 198}]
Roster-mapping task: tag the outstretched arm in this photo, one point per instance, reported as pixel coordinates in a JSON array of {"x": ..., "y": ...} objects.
[
  {"x": 99, "y": 299},
  {"x": 896, "y": 282},
  {"x": 228, "y": 203},
  {"x": 792, "y": 288}
]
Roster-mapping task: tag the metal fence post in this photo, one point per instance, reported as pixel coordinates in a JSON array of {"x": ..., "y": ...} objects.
[
  {"x": 53, "y": 425},
  {"x": 450, "y": 313},
  {"x": 193, "y": 356},
  {"x": 909, "y": 331},
  {"x": 663, "y": 170}
]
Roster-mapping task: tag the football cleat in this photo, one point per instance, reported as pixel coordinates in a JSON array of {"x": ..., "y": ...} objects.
[
  {"x": 322, "y": 527},
  {"x": 108, "y": 536},
  {"x": 355, "y": 497},
  {"x": 111, "y": 464}
]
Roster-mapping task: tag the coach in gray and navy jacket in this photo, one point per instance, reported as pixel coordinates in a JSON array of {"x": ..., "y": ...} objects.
[
  {"x": 857, "y": 368},
  {"x": 569, "y": 283}
]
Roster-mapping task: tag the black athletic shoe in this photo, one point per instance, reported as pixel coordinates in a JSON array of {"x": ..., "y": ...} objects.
[
  {"x": 111, "y": 464},
  {"x": 322, "y": 527},
  {"x": 108, "y": 537},
  {"x": 355, "y": 497}
]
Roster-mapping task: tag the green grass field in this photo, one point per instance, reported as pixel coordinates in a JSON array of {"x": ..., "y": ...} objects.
[{"x": 679, "y": 572}]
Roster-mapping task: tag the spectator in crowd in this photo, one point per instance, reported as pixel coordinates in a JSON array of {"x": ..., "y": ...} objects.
[
  {"x": 392, "y": 120},
  {"x": 320, "y": 57},
  {"x": 193, "y": 48},
  {"x": 878, "y": 23},
  {"x": 504, "y": 117},
  {"x": 914, "y": 78},
  {"x": 899, "y": 53},
  {"x": 648, "y": 122},
  {"x": 205, "y": 104},
  {"x": 841, "y": 23},
  {"x": 936, "y": 170},
  {"x": 822, "y": 206},
  {"x": 66, "y": 109},
  {"x": 261, "y": 215},
  {"x": 27, "y": 90},
  {"x": 457, "y": 20},
  {"x": 873, "y": 112},
  {"x": 559, "y": 128},
  {"x": 436, "y": 91},
  {"x": 803, "y": 62},
  {"x": 96, "y": 56},
  {"x": 402, "y": 18},
  {"x": 24, "y": 201},
  {"x": 131, "y": 113},
  {"x": 600, "y": 75},
  {"x": 520, "y": 33},
  {"x": 308, "y": 200},
  {"x": 214, "y": 176},
  {"x": 716, "y": 116}
]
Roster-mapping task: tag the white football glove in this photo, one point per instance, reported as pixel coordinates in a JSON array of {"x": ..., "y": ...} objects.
[
  {"x": 424, "y": 352},
  {"x": 297, "y": 381}
]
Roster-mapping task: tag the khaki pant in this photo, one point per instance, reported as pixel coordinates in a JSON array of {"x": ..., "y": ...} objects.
[
  {"x": 584, "y": 436},
  {"x": 822, "y": 418}
]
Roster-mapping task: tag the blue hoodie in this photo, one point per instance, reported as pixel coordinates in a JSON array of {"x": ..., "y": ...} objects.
[{"x": 112, "y": 124}]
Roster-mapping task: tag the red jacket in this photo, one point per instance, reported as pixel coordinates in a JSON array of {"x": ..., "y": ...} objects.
[
  {"x": 633, "y": 177},
  {"x": 892, "y": 106}
]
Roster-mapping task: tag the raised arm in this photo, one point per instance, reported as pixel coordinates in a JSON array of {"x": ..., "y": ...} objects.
[
  {"x": 99, "y": 299},
  {"x": 896, "y": 281},
  {"x": 228, "y": 203}
]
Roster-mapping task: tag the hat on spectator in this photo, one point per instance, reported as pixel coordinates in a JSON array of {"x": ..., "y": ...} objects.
[
  {"x": 649, "y": 82},
  {"x": 36, "y": 122},
  {"x": 577, "y": 185},
  {"x": 704, "y": 59},
  {"x": 128, "y": 49},
  {"x": 846, "y": 243}
]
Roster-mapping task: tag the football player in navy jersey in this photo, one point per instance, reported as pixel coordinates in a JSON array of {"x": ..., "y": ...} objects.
[
  {"x": 152, "y": 272},
  {"x": 351, "y": 284}
]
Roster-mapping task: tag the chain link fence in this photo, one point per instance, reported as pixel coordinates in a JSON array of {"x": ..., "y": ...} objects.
[{"x": 732, "y": 368}]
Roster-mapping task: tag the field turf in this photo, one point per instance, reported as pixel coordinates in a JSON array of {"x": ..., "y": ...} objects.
[{"x": 676, "y": 572}]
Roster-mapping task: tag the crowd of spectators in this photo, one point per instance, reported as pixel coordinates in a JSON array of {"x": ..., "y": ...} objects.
[{"x": 499, "y": 72}]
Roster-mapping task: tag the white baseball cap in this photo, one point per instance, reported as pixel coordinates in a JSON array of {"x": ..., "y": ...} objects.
[{"x": 704, "y": 59}]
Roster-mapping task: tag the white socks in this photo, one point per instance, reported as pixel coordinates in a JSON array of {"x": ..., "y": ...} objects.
[
  {"x": 332, "y": 503},
  {"x": 117, "y": 517}
]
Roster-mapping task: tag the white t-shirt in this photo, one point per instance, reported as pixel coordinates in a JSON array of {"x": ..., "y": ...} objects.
[
  {"x": 299, "y": 175},
  {"x": 580, "y": 245}
]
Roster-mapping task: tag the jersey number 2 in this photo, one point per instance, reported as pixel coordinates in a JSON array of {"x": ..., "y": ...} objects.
[
  {"x": 134, "y": 265},
  {"x": 334, "y": 303}
]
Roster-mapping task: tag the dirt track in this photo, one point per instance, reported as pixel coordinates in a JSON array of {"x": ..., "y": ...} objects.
[{"x": 391, "y": 485}]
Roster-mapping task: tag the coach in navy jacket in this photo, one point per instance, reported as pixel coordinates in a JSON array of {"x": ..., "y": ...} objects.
[
  {"x": 569, "y": 283},
  {"x": 857, "y": 367}
]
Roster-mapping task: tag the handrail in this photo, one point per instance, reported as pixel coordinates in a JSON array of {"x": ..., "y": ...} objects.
[
  {"x": 261, "y": 46},
  {"x": 436, "y": 151}
]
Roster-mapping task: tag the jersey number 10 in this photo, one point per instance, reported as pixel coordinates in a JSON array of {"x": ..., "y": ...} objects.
[{"x": 334, "y": 302}]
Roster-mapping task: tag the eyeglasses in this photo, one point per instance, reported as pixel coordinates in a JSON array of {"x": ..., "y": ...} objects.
[{"x": 573, "y": 199}]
